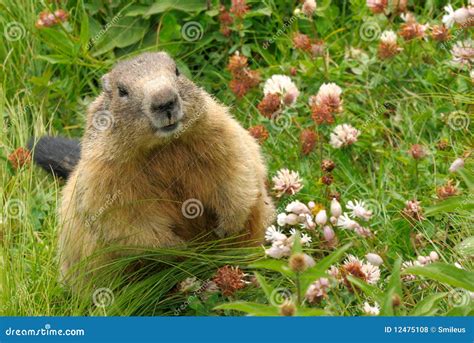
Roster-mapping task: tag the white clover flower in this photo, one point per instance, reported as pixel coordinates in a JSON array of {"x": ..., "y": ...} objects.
[
  {"x": 287, "y": 182},
  {"x": 371, "y": 310},
  {"x": 388, "y": 37},
  {"x": 308, "y": 8},
  {"x": 448, "y": 19},
  {"x": 359, "y": 210},
  {"x": 372, "y": 273},
  {"x": 343, "y": 135},
  {"x": 282, "y": 85},
  {"x": 463, "y": 53}
]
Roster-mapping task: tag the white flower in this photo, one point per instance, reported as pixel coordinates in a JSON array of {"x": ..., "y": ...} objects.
[
  {"x": 328, "y": 233},
  {"x": 282, "y": 85},
  {"x": 343, "y": 135},
  {"x": 372, "y": 273},
  {"x": 321, "y": 217},
  {"x": 297, "y": 207},
  {"x": 434, "y": 256},
  {"x": 463, "y": 53},
  {"x": 288, "y": 219},
  {"x": 273, "y": 234},
  {"x": 362, "y": 231},
  {"x": 328, "y": 91},
  {"x": 471, "y": 74},
  {"x": 317, "y": 290},
  {"x": 334, "y": 272},
  {"x": 448, "y": 19},
  {"x": 347, "y": 223},
  {"x": 374, "y": 259},
  {"x": 359, "y": 210},
  {"x": 278, "y": 251},
  {"x": 456, "y": 165},
  {"x": 309, "y": 6},
  {"x": 388, "y": 37},
  {"x": 408, "y": 264},
  {"x": 308, "y": 222},
  {"x": 287, "y": 181},
  {"x": 371, "y": 310},
  {"x": 305, "y": 239},
  {"x": 336, "y": 209},
  {"x": 408, "y": 17}
]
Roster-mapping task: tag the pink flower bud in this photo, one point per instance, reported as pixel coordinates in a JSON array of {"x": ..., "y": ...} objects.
[{"x": 328, "y": 233}]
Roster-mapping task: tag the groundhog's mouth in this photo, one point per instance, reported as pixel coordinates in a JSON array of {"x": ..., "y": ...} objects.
[{"x": 169, "y": 128}]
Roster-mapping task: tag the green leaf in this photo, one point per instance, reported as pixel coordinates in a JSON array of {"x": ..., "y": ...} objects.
[
  {"x": 276, "y": 265},
  {"x": 394, "y": 288},
  {"x": 267, "y": 289},
  {"x": 466, "y": 247},
  {"x": 56, "y": 59},
  {"x": 467, "y": 177},
  {"x": 371, "y": 291},
  {"x": 320, "y": 269},
  {"x": 251, "y": 308},
  {"x": 125, "y": 32},
  {"x": 452, "y": 204},
  {"x": 84, "y": 35},
  {"x": 445, "y": 273},
  {"x": 461, "y": 311},
  {"x": 180, "y": 5},
  {"x": 426, "y": 306},
  {"x": 297, "y": 249}
]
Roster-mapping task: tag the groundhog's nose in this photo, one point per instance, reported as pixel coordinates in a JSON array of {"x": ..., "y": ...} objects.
[{"x": 166, "y": 106}]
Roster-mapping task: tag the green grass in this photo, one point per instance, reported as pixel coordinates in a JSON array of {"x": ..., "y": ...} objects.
[{"x": 48, "y": 77}]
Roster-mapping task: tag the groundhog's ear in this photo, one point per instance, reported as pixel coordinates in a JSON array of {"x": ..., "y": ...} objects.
[{"x": 106, "y": 83}]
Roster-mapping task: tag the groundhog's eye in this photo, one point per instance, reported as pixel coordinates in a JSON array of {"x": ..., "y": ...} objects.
[
  {"x": 177, "y": 71},
  {"x": 122, "y": 91}
]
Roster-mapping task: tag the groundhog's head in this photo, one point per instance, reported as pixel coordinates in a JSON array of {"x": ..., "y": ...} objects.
[{"x": 148, "y": 100}]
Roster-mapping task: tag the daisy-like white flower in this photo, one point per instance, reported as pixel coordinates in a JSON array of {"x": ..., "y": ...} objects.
[
  {"x": 297, "y": 207},
  {"x": 308, "y": 222},
  {"x": 457, "y": 164},
  {"x": 343, "y": 135},
  {"x": 359, "y": 210},
  {"x": 273, "y": 234},
  {"x": 287, "y": 182},
  {"x": 282, "y": 85},
  {"x": 371, "y": 310},
  {"x": 347, "y": 223},
  {"x": 304, "y": 239},
  {"x": 329, "y": 95},
  {"x": 463, "y": 53},
  {"x": 460, "y": 16}
]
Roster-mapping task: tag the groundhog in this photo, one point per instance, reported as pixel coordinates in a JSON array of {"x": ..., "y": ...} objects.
[{"x": 161, "y": 163}]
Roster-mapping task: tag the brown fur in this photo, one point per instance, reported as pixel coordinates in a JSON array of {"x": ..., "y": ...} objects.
[{"x": 130, "y": 184}]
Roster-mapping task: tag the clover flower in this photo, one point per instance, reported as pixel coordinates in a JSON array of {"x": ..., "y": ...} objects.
[
  {"x": 308, "y": 8},
  {"x": 371, "y": 310},
  {"x": 287, "y": 182},
  {"x": 413, "y": 210},
  {"x": 388, "y": 46},
  {"x": 463, "y": 53},
  {"x": 343, "y": 135},
  {"x": 377, "y": 6},
  {"x": 317, "y": 290},
  {"x": 283, "y": 86}
]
